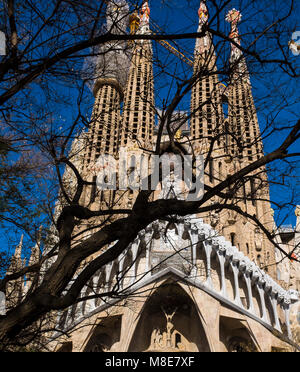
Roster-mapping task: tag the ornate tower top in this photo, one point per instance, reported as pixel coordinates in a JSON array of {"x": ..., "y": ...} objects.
[
  {"x": 145, "y": 18},
  {"x": 204, "y": 43},
  {"x": 234, "y": 17},
  {"x": 203, "y": 14}
]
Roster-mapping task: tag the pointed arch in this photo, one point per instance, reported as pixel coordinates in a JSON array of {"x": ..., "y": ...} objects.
[{"x": 174, "y": 324}]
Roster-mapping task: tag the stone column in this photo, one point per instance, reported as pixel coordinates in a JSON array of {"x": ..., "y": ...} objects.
[
  {"x": 247, "y": 277},
  {"x": 135, "y": 248},
  {"x": 235, "y": 269},
  {"x": 221, "y": 251},
  {"x": 208, "y": 251},
  {"x": 261, "y": 292},
  {"x": 275, "y": 312},
  {"x": 286, "y": 306},
  {"x": 121, "y": 261},
  {"x": 108, "y": 275},
  {"x": 194, "y": 239}
]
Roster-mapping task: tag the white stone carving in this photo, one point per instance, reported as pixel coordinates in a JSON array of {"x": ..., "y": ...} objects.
[{"x": 241, "y": 266}]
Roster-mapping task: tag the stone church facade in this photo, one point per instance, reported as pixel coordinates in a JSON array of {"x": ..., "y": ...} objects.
[{"x": 205, "y": 283}]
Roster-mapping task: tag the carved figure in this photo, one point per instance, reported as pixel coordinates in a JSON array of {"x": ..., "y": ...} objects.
[{"x": 170, "y": 326}]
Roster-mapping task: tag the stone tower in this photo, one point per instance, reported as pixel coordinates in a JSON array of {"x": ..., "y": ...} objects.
[
  {"x": 237, "y": 141},
  {"x": 244, "y": 145},
  {"x": 111, "y": 76},
  {"x": 206, "y": 105},
  {"x": 139, "y": 105},
  {"x": 104, "y": 134}
]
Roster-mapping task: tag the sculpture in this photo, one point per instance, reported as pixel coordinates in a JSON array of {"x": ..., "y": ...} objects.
[{"x": 170, "y": 327}]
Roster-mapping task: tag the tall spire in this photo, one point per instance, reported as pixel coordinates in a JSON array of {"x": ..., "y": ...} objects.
[
  {"x": 234, "y": 17},
  {"x": 241, "y": 109},
  {"x": 35, "y": 251},
  {"x": 237, "y": 59},
  {"x": 16, "y": 261},
  {"x": 113, "y": 61},
  {"x": 18, "y": 251},
  {"x": 247, "y": 144},
  {"x": 206, "y": 107},
  {"x": 145, "y": 18},
  {"x": 139, "y": 104},
  {"x": 203, "y": 44},
  {"x": 112, "y": 71}
]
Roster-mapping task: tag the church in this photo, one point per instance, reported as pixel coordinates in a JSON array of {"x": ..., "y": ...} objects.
[{"x": 200, "y": 283}]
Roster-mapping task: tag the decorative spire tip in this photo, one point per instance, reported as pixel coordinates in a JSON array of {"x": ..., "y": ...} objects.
[{"x": 234, "y": 16}]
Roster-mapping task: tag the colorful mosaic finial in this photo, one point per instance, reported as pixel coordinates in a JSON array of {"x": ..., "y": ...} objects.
[
  {"x": 234, "y": 17},
  {"x": 203, "y": 44},
  {"x": 145, "y": 14},
  {"x": 203, "y": 13}
]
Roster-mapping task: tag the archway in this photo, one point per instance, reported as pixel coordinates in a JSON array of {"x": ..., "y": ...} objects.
[
  {"x": 235, "y": 336},
  {"x": 169, "y": 323},
  {"x": 105, "y": 335}
]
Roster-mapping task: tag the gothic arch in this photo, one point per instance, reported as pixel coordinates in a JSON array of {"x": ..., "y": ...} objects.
[
  {"x": 235, "y": 336},
  {"x": 269, "y": 310},
  {"x": 257, "y": 302},
  {"x": 244, "y": 292},
  {"x": 230, "y": 288},
  {"x": 174, "y": 324},
  {"x": 104, "y": 335},
  {"x": 216, "y": 272}
]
